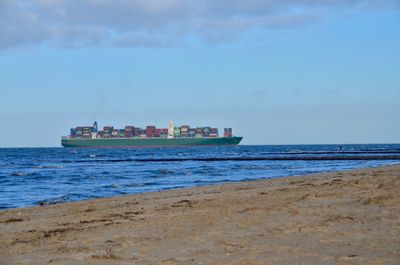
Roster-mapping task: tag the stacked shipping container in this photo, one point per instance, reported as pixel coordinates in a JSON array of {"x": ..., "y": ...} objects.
[
  {"x": 184, "y": 131},
  {"x": 150, "y": 131},
  {"x": 228, "y": 132}
]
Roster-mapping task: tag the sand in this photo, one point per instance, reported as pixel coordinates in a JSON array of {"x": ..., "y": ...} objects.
[{"x": 348, "y": 217}]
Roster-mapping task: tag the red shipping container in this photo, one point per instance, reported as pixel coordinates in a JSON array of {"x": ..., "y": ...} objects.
[{"x": 150, "y": 128}]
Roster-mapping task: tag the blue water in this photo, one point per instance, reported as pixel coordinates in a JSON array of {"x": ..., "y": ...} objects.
[{"x": 40, "y": 176}]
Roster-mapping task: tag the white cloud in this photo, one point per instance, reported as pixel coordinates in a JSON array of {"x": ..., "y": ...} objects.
[{"x": 153, "y": 23}]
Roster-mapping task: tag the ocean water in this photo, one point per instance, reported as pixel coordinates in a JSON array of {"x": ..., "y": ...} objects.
[{"x": 41, "y": 176}]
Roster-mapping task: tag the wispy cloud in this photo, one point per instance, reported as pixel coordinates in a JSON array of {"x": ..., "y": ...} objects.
[{"x": 154, "y": 23}]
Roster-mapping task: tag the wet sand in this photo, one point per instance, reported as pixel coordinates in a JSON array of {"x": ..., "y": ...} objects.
[{"x": 348, "y": 217}]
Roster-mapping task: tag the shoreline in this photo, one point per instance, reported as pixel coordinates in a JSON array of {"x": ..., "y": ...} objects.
[
  {"x": 345, "y": 217},
  {"x": 194, "y": 187}
]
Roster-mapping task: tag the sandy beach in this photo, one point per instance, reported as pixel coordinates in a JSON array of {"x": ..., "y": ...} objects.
[{"x": 350, "y": 217}]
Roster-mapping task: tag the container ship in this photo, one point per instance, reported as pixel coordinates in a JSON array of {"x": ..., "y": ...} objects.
[{"x": 151, "y": 136}]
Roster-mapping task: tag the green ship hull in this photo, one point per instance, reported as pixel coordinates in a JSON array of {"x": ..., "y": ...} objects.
[{"x": 150, "y": 142}]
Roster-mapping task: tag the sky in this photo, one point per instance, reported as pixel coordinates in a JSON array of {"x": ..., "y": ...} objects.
[{"x": 277, "y": 71}]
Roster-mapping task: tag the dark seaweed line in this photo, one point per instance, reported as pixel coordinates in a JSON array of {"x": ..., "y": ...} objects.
[
  {"x": 283, "y": 158},
  {"x": 305, "y": 158},
  {"x": 333, "y": 152}
]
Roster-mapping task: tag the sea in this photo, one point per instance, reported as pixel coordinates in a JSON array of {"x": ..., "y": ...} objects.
[{"x": 42, "y": 176}]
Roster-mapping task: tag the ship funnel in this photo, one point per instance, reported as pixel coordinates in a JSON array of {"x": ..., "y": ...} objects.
[{"x": 95, "y": 127}]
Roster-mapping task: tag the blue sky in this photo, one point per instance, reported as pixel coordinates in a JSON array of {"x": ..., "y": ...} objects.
[{"x": 278, "y": 72}]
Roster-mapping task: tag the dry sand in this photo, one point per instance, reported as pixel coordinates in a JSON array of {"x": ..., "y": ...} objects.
[{"x": 336, "y": 218}]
